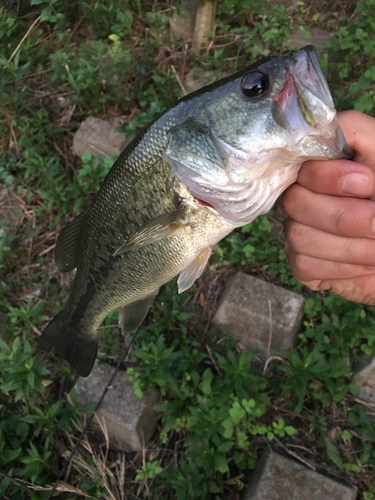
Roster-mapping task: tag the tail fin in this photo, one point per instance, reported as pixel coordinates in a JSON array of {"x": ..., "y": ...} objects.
[{"x": 77, "y": 348}]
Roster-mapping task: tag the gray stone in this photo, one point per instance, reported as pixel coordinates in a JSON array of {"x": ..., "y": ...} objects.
[
  {"x": 365, "y": 381},
  {"x": 130, "y": 421},
  {"x": 198, "y": 18},
  {"x": 98, "y": 137},
  {"x": 183, "y": 26},
  {"x": 318, "y": 38},
  {"x": 279, "y": 478},
  {"x": 259, "y": 313},
  {"x": 199, "y": 77},
  {"x": 10, "y": 209}
]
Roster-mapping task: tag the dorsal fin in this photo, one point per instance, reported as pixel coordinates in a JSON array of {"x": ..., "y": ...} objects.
[{"x": 67, "y": 244}]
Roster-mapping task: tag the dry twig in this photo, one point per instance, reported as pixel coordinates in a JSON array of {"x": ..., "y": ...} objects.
[{"x": 24, "y": 38}]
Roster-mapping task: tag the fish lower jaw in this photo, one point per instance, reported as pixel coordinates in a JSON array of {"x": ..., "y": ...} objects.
[{"x": 240, "y": 206}]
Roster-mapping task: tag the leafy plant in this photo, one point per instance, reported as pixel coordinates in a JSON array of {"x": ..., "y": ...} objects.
[
  {"x": 149, "y": 470},
  {"x": 356, "y": 65}
]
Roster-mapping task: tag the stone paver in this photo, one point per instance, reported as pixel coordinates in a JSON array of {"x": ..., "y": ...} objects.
[
  {"x": 130, "y": 421},
  {"x": 183, "y": 26},
  {"x": 279, "y": 478},
  {"x": 197, "y": 20},
  {"x": 251, "y": 308},
  {"x": 98, "y": 137},
  {"x": 365, "y": 380}
]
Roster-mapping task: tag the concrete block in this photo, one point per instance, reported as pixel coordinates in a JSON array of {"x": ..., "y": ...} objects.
[
  {"x": 279, "y": 478},
  {"x": 260, "y": 313},
  {"x": 183, "y": 26},
  {"x": 130, "y": 421},
  {"x": 365, "y": 381},
  {"x": 197, "y": 20},
  {"x": 98, "y": 137}
]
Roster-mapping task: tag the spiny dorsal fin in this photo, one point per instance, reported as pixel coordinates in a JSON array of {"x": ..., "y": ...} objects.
[
  {"x": 157, "y": 229},
  {"x": 193, "y": 270},
  {"x": 67, "y": 244},
  {"x": 132, "y": 315}
]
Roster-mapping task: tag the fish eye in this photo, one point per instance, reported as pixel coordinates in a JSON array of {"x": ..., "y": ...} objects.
[{"x": 255, "y": 84}]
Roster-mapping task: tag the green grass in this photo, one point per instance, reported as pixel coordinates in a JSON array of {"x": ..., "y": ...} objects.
[{"x": 219, "y": 409}]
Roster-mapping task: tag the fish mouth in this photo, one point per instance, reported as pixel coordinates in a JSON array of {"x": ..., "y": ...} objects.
[
  {"x": 309, "y": 76},
  {"x": 308, "y": 107},
  {"x": 305, "y": 97}
]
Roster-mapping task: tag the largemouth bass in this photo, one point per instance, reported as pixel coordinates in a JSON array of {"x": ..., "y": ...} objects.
[{"x": 213, "y": 162}]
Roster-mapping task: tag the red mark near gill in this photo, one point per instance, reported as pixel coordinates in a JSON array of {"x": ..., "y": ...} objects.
[
  {"x": 287, "y": 90},
  {"x": 203, "y": 203}
]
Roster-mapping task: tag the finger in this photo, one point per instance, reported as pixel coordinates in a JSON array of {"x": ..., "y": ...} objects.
[
  {"x": 361, "y": 289},
  {"x": 308, "y": 269},
  {"x": 359, "y": 131},
  {"x": 338, "y": 177},
  {"x": 315, "y": 243},
  {"x": 356, "y": 287},
  {"x": 349, "y": 217}
]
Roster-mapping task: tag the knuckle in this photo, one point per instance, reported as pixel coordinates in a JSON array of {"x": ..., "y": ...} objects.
[
  {"x": 289, "y": 198},
  {"x": 296, "y": 234},
  {"x": 299, "y": 265},
  {"x": 343, "y": 219},
  {"x": 361, "y": 251},
  {"x": 352, "y": 116},
  {"x": 314, "y": 285},
  {"x": 356, "y": 115}
]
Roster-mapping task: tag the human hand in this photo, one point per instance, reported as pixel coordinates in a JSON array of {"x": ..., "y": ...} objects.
[{"x": 331, "y": 227}]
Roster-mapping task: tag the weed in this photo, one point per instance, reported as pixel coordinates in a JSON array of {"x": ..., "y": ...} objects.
[{"x": 355, "y": 68}]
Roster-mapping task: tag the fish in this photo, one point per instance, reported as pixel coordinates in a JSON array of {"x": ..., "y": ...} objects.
[{"x": 214, "y": 161}]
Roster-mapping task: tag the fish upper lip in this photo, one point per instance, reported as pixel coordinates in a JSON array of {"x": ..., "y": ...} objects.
[{"x": 308, "y": 75}]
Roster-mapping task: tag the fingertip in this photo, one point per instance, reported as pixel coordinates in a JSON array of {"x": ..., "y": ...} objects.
[
  {"x": 357, "y": 184},
  {"x": 338, "y": 177}
]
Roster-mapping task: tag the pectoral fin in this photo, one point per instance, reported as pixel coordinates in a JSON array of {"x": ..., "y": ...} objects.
[
  {"x": 165, "y": 226},
  {"x": 67, "y": 244},
  {"x": 132, "y": 315},
  {"x": 194, "y": 270}
]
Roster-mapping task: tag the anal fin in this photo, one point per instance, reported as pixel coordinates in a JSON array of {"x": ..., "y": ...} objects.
[
  {"x": 132, "y": 315},
  {"x": 193, "y": 270},
  {"x": 67, "y": 244}
]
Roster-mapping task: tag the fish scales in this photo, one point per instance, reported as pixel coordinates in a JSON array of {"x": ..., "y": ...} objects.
[{"x": 213, "y": 162}]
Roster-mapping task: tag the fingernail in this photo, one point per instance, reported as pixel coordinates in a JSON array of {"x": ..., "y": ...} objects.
[{"x": 357, "y": 183}]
